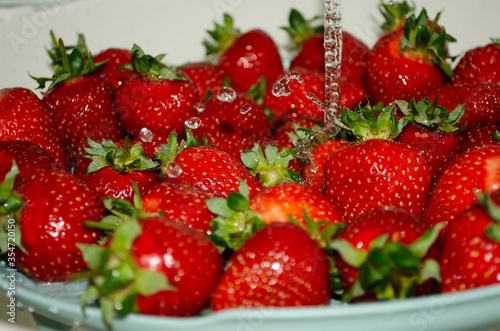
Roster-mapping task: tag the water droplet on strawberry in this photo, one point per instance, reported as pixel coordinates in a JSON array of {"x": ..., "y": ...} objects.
[
  {"x": 193, "y": 123},
  {"x": 146, "y": 135},
  {"x": 245, "y": 108},
  {"x": 200, "y": 107},
  {"x": 173, "y": 170},
  {"x": 226, "y": 94}
]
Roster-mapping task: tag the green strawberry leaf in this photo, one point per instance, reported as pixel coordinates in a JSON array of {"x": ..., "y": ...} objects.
[{"x": 150, "y": 282}]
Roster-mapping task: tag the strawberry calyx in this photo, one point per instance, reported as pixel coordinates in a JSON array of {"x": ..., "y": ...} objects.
[
  {"x": 364, "y": 124},
  {"x": 270, "y": 166},
  {"x": 390, "y": 269},
  {"x": 223, "y": 36},
  {"x": 427, "y": 113},
  {"x": 55, "y": 52},
  {"x": 490, "y": 202},
  {"x": 115, "y": 278},
  {"x": 10, "y": 206},
  {"x": 151, "y": 67},
  {"x": 109, "y": 154},
  {"x": 300, "y": 29},
  {"x": 425, "y": 39},
  {"x": 70, "y": 63},
  {"x": 394, "y": 14},
  {"x": 321, "y": 231},
  {"x": 168, "y": 152},
  {"x": 235, "y": 221}
]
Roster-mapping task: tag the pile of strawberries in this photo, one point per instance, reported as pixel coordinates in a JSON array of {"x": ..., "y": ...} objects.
[{"x": 218, "y": 184}]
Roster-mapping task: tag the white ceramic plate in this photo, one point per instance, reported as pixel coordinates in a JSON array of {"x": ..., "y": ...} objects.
[{"x": 477, "y": 309}]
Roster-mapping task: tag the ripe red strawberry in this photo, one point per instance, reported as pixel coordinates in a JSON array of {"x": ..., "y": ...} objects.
[
  {"x": 89, "y": 97},
  {"x": 386, "y": 253},
  {"x": 109, "y": 169},
  {"x": 280, "y": 265},
  {"x": 154, "y": 266},
  {"x": 206, "y": 76},
  {"x": 480, "y": 135},
  {"x": 475, "y": 170},
  {"x": 479, "y": 65},
  {"x": 28, "y": 157},
  {"x": 180, "y": 201},
  {"x": 471, "y": 251},
  {"x": 481, "y": 102},
  {"x": 232, "y": 122},
  {"x": 114, "y": 58},
  {"x": 432, "y": 131},
  {"x": 282, "y": 201},
  {"x": 244, "y": 57},
  {"x": 24, "y": 117},
  {"x": 376, "y": 171},
  {"x": 408, "y": 64},
  {"x": 311, "y": 52},
  {"x": 207, "y": 168},
  {"x": 51, "y": 205},
  {"x": 156, "y": 100}
]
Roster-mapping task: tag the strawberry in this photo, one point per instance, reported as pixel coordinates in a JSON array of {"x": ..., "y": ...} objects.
[
  {"x": 285, "y": 200},
  {"x": 28, "y": 157},
  {"x": 454, "y": 191},
  {"x": 49, "y": 206},
  {"x": 207, "y": 77},
  {"x": 471, "y": 251},
  {"x": 480, "y": 135},
  {"x": 432, "y": 132},
  {"x": 154, "y": 266},
  {"x": 180, "y": 201},
  {"x": 478, "y": 65},
  {"x": 89, "y": 97},
  {"x": 114, "y": 58},
  {"x": 376, "y": 171},
  {"x": 25, "y": 117},
  {"x": 408, "y": 64},
  {"x": 156, "y": 99},
  {"x": 244, "y": 57},
  {"x": 280, "y": 265},
  {"x": 205, "y": 167},
  {"x": 240, "y": 215},
  {"x": 232, "y": 122},
  {"x": 108, "y": 169},
  {"x": 311, "y": 51},
  {"x": 386, "y": 253},
  {"x": 481, "y": 102}
]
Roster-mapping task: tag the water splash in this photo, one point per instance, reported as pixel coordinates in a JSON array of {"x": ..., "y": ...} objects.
[
  {"x": 226, "y": 94},
  {"x": 281, "y": 87},
  {"x": 333, "y": 57},
  {"x": 245, "y": 108},
  {"x": 193, "y": 123},
  {"x": 200, "y": 107},
  {"x": 146, "y": 135},
  {"x": 173, "y": 170}
]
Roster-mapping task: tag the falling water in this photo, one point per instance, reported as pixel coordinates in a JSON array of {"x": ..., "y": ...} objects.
[{"x": 333, "y": 56}]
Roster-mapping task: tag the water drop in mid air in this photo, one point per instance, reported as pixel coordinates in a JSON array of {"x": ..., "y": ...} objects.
[
  {"x": 245, "y": 108},
  {"x": 193, "y": 123},
  {"x": 200, "y": 107},
  {"x": 282, "y": 88},
  {"x": 146, "y": 135}
]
